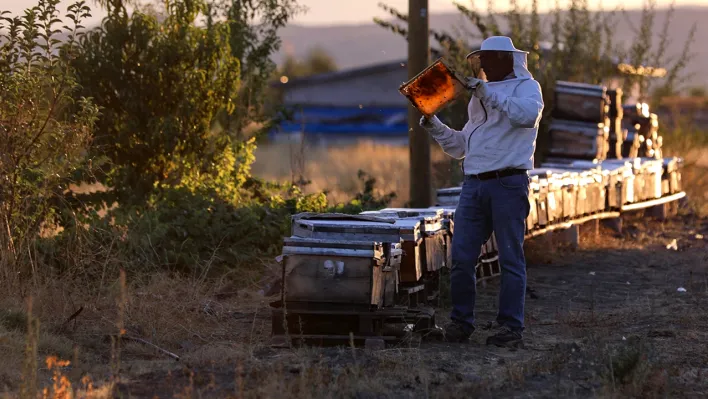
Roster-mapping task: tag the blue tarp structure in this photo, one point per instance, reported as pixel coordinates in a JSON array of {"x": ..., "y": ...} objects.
[{"x": 390, "y": 121}]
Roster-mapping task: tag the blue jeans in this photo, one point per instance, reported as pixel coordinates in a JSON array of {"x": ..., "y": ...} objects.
[{"x": 500, "y": 205}]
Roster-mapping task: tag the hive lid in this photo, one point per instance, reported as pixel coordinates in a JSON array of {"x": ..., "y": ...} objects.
[
  {"x": 422, "y": 213},
  {"x": 340, "y": 217},
  {"x": 450, "y": 191},
  {"x": 326, "y": 247},
  {"x": 329, "y": 243}
]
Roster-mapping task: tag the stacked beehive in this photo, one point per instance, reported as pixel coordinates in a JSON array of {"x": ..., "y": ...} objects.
[
  {"x": 618, "y": 134},
  {"x": 345, "y": 259},
  {"x": 488, "y": 261},
  {"x": 643, "y": 130},
  {"x": 430, "y": 252},
  {"x": 581, "y": 121}
]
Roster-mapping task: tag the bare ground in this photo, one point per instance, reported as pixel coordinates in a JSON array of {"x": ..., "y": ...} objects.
[{"x": 606, "y": 320}]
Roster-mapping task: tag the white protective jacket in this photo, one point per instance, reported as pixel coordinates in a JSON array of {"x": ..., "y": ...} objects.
[{"x": 502, "y": 127}]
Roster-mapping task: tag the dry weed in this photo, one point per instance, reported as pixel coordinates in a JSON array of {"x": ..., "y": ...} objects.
[{"x": 334, "y": 168}]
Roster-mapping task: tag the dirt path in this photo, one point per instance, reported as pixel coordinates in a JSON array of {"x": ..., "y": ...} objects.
[{"x": 607, "y": 321}]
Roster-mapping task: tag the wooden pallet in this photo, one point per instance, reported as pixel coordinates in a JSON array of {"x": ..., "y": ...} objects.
[{"x": 329, "y": 324}]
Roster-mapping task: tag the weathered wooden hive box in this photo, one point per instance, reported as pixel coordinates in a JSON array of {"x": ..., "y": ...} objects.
[
  {"x": 647, "y": 178},
  {"x": 332, "y": 271},
  {"x": 532, "y": 221},
  {"x": 607, "y": 181},
  {"x": 372, "y": 228},
  {"x": 574, "y": 188},
  {"x": 448, "y": 196},
  {"x": 447, "y": 199},
  {"x": 552, "y": 187},
  {"x": 540, "y": 188},
  {"x": 591, "y": 183},
  {"x": 583, "y": 140},
  {"x": 651, "y": 171},
  {"x": 616, "y": 114},
  {"x": 448, "y": 223},
  {"x": 621, "y": 183},
  {"x": 638, "y": 120},
  {"x": 429, "y": 246},
  {"x": 581, "y": 102},
  {"x": 632, "y": 143},
  {"x": 596, "y": 189},
  {"x": 616, "y": 182},
  {"x": 671, "y": 176},
  {"x": 489, "y": 257}
]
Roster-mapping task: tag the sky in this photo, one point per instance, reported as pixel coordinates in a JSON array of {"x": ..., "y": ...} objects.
[{"x": 336, "y": 12}]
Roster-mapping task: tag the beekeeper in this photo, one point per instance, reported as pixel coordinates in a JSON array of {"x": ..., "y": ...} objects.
[{"x": 497, "y": 145}]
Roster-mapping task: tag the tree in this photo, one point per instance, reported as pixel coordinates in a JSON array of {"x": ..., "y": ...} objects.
[
  {"x": 45, "y": 129},
  {"x": 253, "y": 27},
  {"x": 698, "y": 91},
  {"x": 160, "y": 86},
  {"x": 178, "y": 85},
  {"x": 317, "y": 61}
]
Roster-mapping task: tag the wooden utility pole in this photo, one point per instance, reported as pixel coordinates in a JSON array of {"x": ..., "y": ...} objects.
[{"x": 419, "y": 140}]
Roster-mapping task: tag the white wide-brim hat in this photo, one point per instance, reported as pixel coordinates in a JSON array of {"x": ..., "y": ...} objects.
[{"x": 497, "y": 43}]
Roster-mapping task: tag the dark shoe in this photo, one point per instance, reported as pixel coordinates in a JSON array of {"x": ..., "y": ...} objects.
[
  {"x": 505, "y": 337},
  {"x": 457, "y": 331}
]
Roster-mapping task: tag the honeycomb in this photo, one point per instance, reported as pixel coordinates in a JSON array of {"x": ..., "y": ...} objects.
[{"x": 433, "y": 89}]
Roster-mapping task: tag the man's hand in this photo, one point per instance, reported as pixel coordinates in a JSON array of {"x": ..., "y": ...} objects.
[
  {"x": 425, "y": 122},
  {"x": 472, "y": 83},
  {"x": 478, "y": 87}
]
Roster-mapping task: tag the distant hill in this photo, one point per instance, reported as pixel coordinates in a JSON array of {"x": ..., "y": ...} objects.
[{"x": 359, "y": 45}]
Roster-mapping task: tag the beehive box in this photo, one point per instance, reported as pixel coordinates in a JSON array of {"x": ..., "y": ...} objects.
[
  {"x": 581, "y": 102},
  {"x": 617, "y": 133},
  {"x": 448, "y": 223},
  {"x": 581, "y": 140},
  {"x": 552, "y": 183},
  {"x": 671, "y": 176},
  {"x": 340, "y": 272},
  {"x": 541, "y": 189},
  {"x": 632, "y": 143},
  {"x": 532, "y": 218},
  {"x": 431, "y": 226},
  {"x": 652, "y": 170},
  {"x": 592, "y": 184},
  {"x": 488, "y": 250},
  {"x": 446, "y": 197},
  {"x": 622, "y": 177},
  {"x": 408, "y": 232},
  {"x": 647, "y": 178},
  {"x": 347, "y": 227}
]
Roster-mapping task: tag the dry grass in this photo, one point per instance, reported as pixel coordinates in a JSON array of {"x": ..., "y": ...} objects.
[
  {"x": 695, "y": 176},
  {"x": 575, "y": 332},
  {"x": 200, "y": 321},
  {"x": 334, "y": 168}
]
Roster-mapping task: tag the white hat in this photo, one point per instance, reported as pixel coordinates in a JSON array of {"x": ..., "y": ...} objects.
[{"x": 498, "y": 43}]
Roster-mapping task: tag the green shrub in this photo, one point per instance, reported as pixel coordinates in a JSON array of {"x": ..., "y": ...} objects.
[
  {"x": 45, "y": 129},
  {"x": 160, "y": 85},
  {"x": 366, "y": 200},
  {"x": 193, "y": 231}
]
